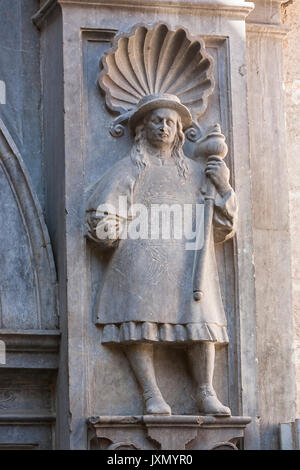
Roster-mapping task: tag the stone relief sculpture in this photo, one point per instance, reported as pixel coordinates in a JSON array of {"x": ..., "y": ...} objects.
[{"x": 156, "y": 288}]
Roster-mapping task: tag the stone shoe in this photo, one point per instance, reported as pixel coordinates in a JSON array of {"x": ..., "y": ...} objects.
[
  {"x": 155, "y": 404},
  {"x": 209, "y": 404}
]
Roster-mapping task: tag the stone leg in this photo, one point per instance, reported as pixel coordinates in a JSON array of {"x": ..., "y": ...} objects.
[
  {"x": 202, "y": 361},
  {"x": 140, "y": 357}
]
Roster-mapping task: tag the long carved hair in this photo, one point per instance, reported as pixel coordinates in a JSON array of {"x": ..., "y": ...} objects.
[{"x": 139, "y": 154}]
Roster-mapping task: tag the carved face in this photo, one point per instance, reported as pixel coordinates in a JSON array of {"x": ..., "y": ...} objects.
[{"x": 161, "y": 128}]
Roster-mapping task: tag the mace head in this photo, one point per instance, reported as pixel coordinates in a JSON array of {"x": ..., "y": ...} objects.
[{"x": 212, "y": 143}]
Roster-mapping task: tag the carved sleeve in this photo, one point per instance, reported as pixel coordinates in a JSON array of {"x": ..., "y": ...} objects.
[
  {"x": 109, "y": 205},
  {"x": 225, "y": 217}
]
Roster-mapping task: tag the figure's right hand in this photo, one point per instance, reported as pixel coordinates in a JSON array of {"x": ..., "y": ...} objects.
[
  {"x": 108, "y": 228},
  {"x": 103, "y": 226}
]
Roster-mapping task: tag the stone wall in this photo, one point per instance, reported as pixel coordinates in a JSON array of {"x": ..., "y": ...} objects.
[
  {"x": 291, "y": 18},
  {"x": 28, "y": 301},
  {"x": 20, "y": 71},
  {"x": 270, "y": 202}
]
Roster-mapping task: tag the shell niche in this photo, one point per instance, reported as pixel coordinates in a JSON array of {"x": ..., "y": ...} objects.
[{"x": 154, "y": 60}]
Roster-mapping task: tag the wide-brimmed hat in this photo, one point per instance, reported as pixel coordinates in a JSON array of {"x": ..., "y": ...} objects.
[{"x": 150, "y": 102}]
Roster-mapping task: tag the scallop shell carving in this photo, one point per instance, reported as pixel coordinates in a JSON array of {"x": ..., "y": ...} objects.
[{"x": 153, "y": 60}]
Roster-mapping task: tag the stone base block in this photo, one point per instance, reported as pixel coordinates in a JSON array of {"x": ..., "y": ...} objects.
[{"x": 177, "y": 432}]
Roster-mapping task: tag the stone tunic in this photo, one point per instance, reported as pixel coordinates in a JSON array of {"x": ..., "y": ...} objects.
[{"x": 147, "y": 291}]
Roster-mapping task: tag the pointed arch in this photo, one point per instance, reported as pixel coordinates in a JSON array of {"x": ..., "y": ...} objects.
[{"x": 27, "y": 274}]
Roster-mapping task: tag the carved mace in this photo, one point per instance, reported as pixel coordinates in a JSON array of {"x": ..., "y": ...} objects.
[{"x": 211, "y": 144}]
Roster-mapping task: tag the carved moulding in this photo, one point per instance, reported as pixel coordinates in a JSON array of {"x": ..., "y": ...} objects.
[
  {"x": 28, "y": 298},
  {"x": 154, "y": 60},
  {"x": 176, "y": 432},
  {"x": 41, "y": 15}
]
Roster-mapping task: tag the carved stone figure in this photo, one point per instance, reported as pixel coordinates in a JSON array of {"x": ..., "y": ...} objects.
[{"x": 148, "y": 295}]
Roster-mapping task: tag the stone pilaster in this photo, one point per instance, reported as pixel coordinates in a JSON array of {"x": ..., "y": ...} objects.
[
  {"x": 83, "y": 149},
  {"x": 291, "y": 18},
  {"x": 272, "y": 254}
]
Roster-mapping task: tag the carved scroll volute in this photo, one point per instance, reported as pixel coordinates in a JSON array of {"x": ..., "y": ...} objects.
[{"x": 154, "y": 60}]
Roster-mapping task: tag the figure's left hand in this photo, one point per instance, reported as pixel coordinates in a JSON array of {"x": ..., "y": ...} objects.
[{"x": 217, "y": 170}]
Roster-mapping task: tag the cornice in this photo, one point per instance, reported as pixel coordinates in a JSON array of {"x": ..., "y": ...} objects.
[
  {"x": 162, "y": 420},
  {"x": 270, "y": 1},
  {"x": 266, "y": 29},
  {"x": 217, "y": 7},
  {"x": 8, "y": 417},
  {"x": 30, "y": 340},
  {"x": 238, "y": 10},
  {"x": 266, "y": 12},
  {"x": 30, "y": 349}
]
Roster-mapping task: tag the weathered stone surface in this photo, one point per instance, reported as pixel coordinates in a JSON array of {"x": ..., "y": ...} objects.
[
  {"x": 77, "y": 149},
  {"x": 27, "y": 416},
  {"x": 290, "y": 435},
  {"x": 274, "y": 360},
  {"x": 89, "y": 144},
  {"x": 291, "y": 18},
  {"x": 20, "y": 70},
  {"x": 144, "y": 74},
  {"x": 28, "y": 278},
  {"x": 28, "y": 300},
  {"x": 272, "y": 248},
  {"x": 96, "y": 117}
]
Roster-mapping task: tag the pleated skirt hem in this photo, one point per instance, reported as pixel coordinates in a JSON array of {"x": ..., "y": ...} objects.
[{"x": 148, "y": 332}]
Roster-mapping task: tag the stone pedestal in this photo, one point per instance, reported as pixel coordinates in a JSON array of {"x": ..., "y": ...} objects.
[{"x": 177, "y": 432}]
